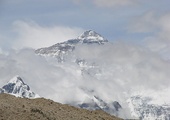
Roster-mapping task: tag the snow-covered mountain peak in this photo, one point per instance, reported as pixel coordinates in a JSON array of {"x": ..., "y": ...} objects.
[
  {"x": 17, "y": 80},
  {"x": 17, "y": 87},
  {"x": 91, "y": 35},
  {"x": 61, "y": 50}
]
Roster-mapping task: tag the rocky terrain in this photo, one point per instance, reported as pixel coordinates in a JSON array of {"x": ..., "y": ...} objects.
[{"x": 13, "y": 108}]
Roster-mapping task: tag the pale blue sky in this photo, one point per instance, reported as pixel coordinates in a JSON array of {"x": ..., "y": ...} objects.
[{"x": 114, "y": 19}]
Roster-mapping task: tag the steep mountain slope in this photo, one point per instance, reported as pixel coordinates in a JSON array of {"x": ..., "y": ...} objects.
[
  {"x": 17, "y": 87},
  {"x": 43, "y": 109}
]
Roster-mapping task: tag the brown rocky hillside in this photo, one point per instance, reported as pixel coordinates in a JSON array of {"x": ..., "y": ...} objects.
[{"x": 13, "y": 108}]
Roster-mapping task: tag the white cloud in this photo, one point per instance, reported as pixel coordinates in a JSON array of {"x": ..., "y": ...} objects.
[
  {"x": 163, "y": 23},
  {"x": 30, "y": 34},
  {"x": 121, "y": 67},
  {"x": 42, "y": 77},
  {"x": 157, "y": 28},
  {"x": 144, "y": 23},
  {"x": 150, "y": 22}
]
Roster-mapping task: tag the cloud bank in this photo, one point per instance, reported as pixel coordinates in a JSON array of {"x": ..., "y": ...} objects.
[
  {"x": 117, "y": 67},
  {"x": 113, "y": 72}
]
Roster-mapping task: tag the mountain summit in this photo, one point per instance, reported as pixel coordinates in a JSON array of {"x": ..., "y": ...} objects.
[
  {"x": 17, "y": 87},
  {"x": 91, "y": 35},
  {"x": 59, "y": 50}
]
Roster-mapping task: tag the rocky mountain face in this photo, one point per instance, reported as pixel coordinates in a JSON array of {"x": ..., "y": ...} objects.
[
  {"x": 17, "y": 87},
  {"x": 96, "y": 103},
  {"x": 13, "y": 108}
]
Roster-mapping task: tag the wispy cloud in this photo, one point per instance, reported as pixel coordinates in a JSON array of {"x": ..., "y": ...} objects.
[
  {"x": 30, "y": 34},
  {"x": 158, "y": 28},
  {"x": 143, "y": 23}
]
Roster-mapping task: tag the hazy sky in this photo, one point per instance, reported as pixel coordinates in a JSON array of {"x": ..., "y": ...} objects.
[{"x": 39, "y": 23}]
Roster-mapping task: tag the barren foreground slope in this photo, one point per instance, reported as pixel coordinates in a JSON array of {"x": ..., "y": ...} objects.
[{"x": 13, "y": 108}]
